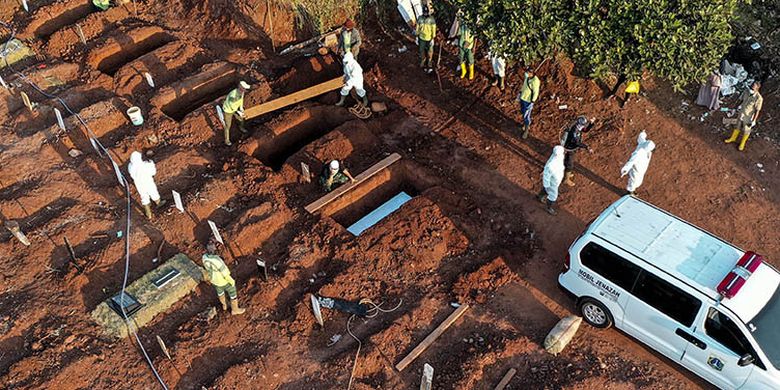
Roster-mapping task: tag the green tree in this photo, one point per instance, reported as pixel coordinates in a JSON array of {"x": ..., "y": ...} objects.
[
  {"x": 681, "y": 40},
  {"x": 526, "y": 30}
]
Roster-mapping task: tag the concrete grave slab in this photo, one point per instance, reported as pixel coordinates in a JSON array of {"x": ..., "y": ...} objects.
[{"x": 154, "y": 300}]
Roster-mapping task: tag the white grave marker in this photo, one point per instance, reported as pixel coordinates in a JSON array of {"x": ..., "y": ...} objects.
[
  {"x": 2, "y": 82},
  {"x": 60, "y": 122},
  {"x": 427, "y": 378},
  {"x": 177, "y": 201},
  {"x": 214, "y": 230},
  {"x": 221, "y": 115},
  {"x": 149, "y": 79},
  {"x": 24, "y": 5},
  {"x": 118, "y": 173},
  {"x": 305, "y": 173}
]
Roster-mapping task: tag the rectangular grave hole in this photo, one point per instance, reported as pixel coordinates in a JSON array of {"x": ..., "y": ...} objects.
[
  {"x": 195, "y": 98},
  {"x": 129, "y": 51},
  {"x": 80, "y": 10},
  {"x": 373, "y": 200},
  {"x": 299, "y": 128}
]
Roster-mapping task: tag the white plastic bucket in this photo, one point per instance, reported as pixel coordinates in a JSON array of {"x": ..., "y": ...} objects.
[{"x": 135, "y": 116}]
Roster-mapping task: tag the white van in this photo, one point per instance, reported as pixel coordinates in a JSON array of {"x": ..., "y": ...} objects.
[{"x": 686, "y": 293}]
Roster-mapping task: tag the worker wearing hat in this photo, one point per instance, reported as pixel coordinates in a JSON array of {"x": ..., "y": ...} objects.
[
  {"x": 571, "y": 140},
  {"x": 334, "y": 173},
  {"x": 349, "y": 39},
  {"x": 233, "y": 106},
  {"x": 216, "y": 272},
  {"x": 426, "y": 32}
]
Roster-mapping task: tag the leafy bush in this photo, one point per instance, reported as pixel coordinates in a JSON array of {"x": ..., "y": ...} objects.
[{"x": 681, "y": 40}]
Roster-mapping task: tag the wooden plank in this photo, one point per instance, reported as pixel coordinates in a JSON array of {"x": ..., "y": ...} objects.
[
  {"x": 505, "y": 380},
  {"x": 293, "y": 98},
  {"x": 321, "y": 202},
  {"x": 431, "y": 337}
]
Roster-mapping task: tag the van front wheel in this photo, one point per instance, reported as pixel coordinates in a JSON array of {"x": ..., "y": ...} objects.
[{"x": 594, "y": 313}]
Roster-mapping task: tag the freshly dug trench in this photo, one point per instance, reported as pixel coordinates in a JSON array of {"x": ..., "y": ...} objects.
[
  {"x": 294, "y": 130},
  {"x": 181, "y": 98},
  {"x": 50, "y": 19},
  {"x": 165, "y": 64},
  {"x": 124, "y": 48},
  {"x": 370, "y": 194}
]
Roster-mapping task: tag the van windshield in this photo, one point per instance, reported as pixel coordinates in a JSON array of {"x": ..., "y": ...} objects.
[{"x": 766, "y": 332}]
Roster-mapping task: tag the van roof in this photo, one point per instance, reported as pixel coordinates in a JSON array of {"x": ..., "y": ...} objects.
[{"x": 671, "y": 244}]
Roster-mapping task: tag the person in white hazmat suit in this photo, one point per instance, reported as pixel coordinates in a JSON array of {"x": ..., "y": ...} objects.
[
  {"x": 499, "y": 70},
  {"x": 353, "y": 78},
  {"x": 552, "y": 178},
  {"x": 142, "y": 172},
  {"x": 637, "y": 164}
]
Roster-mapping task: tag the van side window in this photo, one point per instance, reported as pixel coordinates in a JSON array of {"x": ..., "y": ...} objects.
[
  {"x": 666, "y": 298},
  {"x": 726, "y": 332},
  {"x": 609, "y": 265}
]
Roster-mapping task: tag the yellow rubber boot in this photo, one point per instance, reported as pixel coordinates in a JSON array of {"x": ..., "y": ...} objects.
[
  {"x": 234, "y": 309},
  {"x": 743, "y": 142},
  {"x": 223, "y": 301},
  {"x": 733, "y": 138},
  {"x": 471, "y": 72},
  {"x": 462, "y": 70}
]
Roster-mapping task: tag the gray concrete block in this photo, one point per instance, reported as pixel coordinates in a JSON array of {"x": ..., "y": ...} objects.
[{"x": 154, "y": 300}]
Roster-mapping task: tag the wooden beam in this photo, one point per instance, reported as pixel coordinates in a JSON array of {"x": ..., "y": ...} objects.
[
  {"x": 293, "y": 98},
  {"x": 431, "y": 337},
  {"x": 321, "y": 202},
  {"x": 505, "y": 380}
]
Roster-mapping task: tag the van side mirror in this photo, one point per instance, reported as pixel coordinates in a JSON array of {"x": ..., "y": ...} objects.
[{"x": 746, "y": 359}]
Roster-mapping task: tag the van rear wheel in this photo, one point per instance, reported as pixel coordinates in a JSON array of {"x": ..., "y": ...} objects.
[{"x": 594, "y": 313}]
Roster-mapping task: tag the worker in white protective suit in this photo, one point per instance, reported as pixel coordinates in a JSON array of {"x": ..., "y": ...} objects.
[
  {"x": 353, "y": 78},
  {"x": 142, "y": 172},
  {"x": 637, "y": 164},
  {"x": 552, "y": 178}
]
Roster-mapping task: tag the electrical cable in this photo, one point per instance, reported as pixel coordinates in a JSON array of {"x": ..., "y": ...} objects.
[
  {"x": 122, "y": 181},
  {"x": 376, "y": 309}
]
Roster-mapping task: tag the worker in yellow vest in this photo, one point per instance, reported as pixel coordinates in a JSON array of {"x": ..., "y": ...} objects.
[
  {"x": 749, "y": 109},
  {"x": 426, "y": 32},
  {"x": 233, "y": 107},
  {"x": 217, "y": 273},
  {"x": 102, "y": 4},
  {"x": 349, "y": 39},
  {"x": 466, "y": 50}
]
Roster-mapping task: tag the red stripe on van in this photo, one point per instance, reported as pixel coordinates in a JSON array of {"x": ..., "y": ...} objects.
[{"x": 733, "y": 282}]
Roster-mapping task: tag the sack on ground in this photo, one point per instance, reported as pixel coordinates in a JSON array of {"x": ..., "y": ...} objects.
[{"x": 562, "y": 334}]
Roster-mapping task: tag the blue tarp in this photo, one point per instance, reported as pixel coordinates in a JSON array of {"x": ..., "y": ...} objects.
[{"x": 380, "y": 212}]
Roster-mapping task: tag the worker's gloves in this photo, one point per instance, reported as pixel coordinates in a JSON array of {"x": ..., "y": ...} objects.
[
  {"x": 753, "y": 124},
  {"x": 240, "y": 114}
]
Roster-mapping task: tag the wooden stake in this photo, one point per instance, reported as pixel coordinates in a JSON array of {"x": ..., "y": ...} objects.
[
  {"x": 163, "y": 347},
  {"x": 80, "y": 33},
  {"x": 2, "y": 82},
  {"x": 24, "y": 5},
  {"x": 72, "y": 255},
  {"x": 26, "y": 100},
  {"x": 263, "y": 268},
  {"x": 60, "y": 122},
  {"x": 431, "y": 338},
  {"x": 505, "y": 380},
  {"x": 270, "y": 22},
  {"x": 149, "y": 79}
]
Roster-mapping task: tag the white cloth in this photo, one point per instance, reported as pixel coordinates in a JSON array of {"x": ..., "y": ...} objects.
[
  {"x": 637, "y": 165},
  {"x": 499, "y": 64},
  {"x": 553, "y": 173},
  {"x": 353, "y": 76},
  {"x": 143, "y": 173}
]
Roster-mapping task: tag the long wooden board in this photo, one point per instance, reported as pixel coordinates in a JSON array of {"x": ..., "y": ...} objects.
[
  {"x": 505, "y": 380},
  {"x": 321, "y": 202},
  {"x": 295, "y": 97},
  {"x": 431, "y": 337}
]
